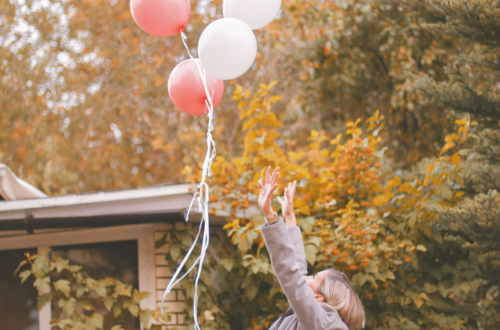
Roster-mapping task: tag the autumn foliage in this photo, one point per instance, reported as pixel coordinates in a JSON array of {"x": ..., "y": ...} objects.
[{"x": 356, "y": 215}]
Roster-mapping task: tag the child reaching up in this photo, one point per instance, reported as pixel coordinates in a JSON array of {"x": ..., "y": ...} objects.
[{"x": 325, "y": 301}]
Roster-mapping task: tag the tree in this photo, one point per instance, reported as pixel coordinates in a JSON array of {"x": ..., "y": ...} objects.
[
  {"x": 471, "y": 86},
  {"x": 382, "y": 232}
]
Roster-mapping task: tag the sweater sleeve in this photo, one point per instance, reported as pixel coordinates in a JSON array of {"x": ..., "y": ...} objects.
[
  {"x": 308, "y": 311},
  {"x": 295, "y": 235}
]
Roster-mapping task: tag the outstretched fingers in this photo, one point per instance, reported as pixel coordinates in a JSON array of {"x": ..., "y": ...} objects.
[
  {"x": 268, "y": 174},
  {"x": 294, "y": 186},
  {"x": 274, "y": 177}
]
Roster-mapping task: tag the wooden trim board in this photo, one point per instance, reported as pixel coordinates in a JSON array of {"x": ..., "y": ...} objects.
[{"x": 143, "y": 234}]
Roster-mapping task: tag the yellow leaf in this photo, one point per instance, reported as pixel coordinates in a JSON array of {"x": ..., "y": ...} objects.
[
  {"x": 305, "y": 210},
  {"x": 336, "y": 140},
  {"x": 247, "y": 93},
  {"x": 459, "y": 194},
  {"x": 464, "y": 136},
  {"x": 350, "y": 124},
  {"x": 245, "y": 113},
  {"x": 271, "y": 120},
  {"x": 271, "y": 85},
  {"x": 314, "y": 135},
  {"x": 381, "y": 200},
  {"x": 430, "y": 168},
  {"x": 447, "y": 147},
  {"x": 394, "y": 182},
  {"x": 274, "y": 99},
  {"x": 451, "y": 137},
  {"x": 358, "y": 131},
  {"x": 461, "y": 122},
  {"x": 455, "y": 159},
  {"x": 242, "y": 104},
  {"x": 237, "y": 92}
]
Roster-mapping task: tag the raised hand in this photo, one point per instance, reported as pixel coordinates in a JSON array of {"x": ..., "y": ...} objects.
[
  {"x": 266, "y": 192},
  {"x": 287, "y": 204}
]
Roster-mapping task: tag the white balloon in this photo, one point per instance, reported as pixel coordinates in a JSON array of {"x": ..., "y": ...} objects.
[
  {"x": 227, "y": 48},
  {"x": 256, "y": 13}
]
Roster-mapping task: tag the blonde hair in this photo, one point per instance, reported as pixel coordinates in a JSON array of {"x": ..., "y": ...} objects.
[{"x": 340, "y": 296}]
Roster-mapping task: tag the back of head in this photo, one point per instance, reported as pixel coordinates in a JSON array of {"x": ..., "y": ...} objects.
[{"x": 340, "y": 296}]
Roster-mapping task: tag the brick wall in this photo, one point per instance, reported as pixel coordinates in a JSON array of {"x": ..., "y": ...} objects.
[{"x": 174, "y": 302}]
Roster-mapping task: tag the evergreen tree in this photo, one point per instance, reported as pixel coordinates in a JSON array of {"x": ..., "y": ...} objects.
[{"x": 472, "y": 86}]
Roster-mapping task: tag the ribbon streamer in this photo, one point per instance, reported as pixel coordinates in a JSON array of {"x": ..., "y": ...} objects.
[{"x": 202, "y": 196}]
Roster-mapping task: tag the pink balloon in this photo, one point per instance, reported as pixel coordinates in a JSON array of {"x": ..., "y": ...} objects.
[
  {"x": 161, "y": 18},
  {"x": 186, "y": 89}
]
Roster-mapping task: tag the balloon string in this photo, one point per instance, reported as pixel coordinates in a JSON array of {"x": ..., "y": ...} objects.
[
  {"x": 184, "y": 38},
  {"x": 202, "y": 196}
]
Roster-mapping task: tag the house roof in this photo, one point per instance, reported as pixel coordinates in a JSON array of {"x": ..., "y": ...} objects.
[{"x": 148, "y": 204}]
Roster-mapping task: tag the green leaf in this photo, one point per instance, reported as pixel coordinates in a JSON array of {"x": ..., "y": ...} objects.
[
  {"x": 75, "y": 268},
  {"x": 61, "y": 264},
  {"x": 175, "y": 251},
  {"x": 42, "y": 285},
  {"x": 437, "y": 236},
  {"x": 420, "y": 247},
  {"x": 97, "y": 319},
  {"x": 311, "y": 252},
  {"x": 186, "y": 239},
  {"x": 429, "y": 288},
  {"x": 24, "y": 275},
  {"x": 80, "y": 290},
  {"x": 122, "y": 289},
  {"x": 87, "y": 305},
  {"x": 141, "y": 295},
  {"x": 145, "y": 316},
  {"x": 101, "y": 290},
  {"x": 68, "y": 306},
  {"x": 445, "y": 191},
  {"x": 63, "y": 286},
  {"x": 227, "y": 263},
  {"x": 117, "y": 327},
  {"x": 40, "y": 266},
  {"x": 133, "y": 309},
  {"x": 108, "y": 281},
  {"x": 117, "y": 310},
  {"x": 43, "y": 299},
  {"x": 306, "y": 224},
  {"x": 108, "y": 303},
  {"x": 316, "y": 241},
  {"x": 22, "y": 263}
]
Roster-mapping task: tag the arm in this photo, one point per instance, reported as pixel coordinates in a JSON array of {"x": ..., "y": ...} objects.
[
  {"x": 293, "y": 230},
  {"x": 295, "y": 235},
  {"x": 309, "y": 312}
]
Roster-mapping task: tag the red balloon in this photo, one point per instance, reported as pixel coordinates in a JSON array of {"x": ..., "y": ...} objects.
[
  {"x": 161, "y": 18},
  {"x": 186, "y": 89}
]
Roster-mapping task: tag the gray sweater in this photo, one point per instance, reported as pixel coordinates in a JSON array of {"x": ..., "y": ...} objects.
[{"x": 286, "y": 248}]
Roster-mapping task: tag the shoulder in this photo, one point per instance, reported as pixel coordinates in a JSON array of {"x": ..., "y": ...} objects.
[{"x": 333, "y": 320}]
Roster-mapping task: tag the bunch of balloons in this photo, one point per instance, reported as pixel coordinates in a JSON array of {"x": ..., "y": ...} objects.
[{"x": 227, "y": 47}]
